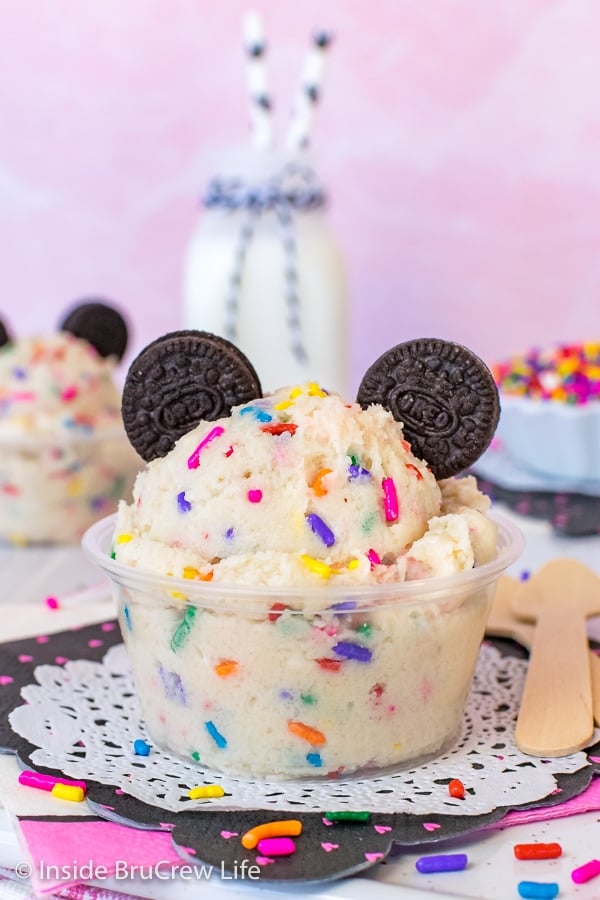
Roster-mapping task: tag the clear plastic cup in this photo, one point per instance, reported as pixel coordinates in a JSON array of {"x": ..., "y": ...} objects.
[{"x": 303, "y": 683}]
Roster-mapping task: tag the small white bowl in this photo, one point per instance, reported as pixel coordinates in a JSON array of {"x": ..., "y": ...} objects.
[{"x": 552, "y": 438}]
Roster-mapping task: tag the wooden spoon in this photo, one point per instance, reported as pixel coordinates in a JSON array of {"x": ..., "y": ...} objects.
[
  {"x": 555, "y": 717},
  {"x": 502, "y": 622}
]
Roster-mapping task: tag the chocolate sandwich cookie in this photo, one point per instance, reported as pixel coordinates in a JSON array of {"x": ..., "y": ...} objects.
[
  {"x": 100, "y": 325},
  {"x": 445, "y": 397},
  {"x": 4, "y": 335},
  {"x": 178, "y": 381}
]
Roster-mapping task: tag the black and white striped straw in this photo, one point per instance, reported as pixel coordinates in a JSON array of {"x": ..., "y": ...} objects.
[
  {"x": 261, "y": 103},
  {"x": 309, "y": 92}
]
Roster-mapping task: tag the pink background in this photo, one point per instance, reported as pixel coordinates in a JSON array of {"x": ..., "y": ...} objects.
[{"x": 460, "y": 142}]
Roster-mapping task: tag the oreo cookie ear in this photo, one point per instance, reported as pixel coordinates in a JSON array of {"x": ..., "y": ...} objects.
[
  {"x": 5, "y": 337},
  {"x": 100, "y": 324},
  {"x": 443, "y": 394},
  {"x": 178, "y": 381}
]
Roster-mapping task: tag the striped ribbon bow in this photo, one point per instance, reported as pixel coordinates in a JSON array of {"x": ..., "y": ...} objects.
[{"x": 295, "y": 188}]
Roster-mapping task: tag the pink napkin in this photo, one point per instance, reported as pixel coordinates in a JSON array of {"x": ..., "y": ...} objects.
[
  {"x": 62, "y": 853},
  {"x": 587, "y": 801}
]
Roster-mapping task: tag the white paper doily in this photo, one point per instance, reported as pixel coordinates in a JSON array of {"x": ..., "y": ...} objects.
[{"x": 84, "y": 718}]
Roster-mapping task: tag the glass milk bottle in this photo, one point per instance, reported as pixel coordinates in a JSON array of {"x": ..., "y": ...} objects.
[{"x": 263, "y": 269}]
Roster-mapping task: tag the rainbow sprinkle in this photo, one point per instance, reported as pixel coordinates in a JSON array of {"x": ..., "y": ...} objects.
[
  {"x": 194, "y": 459},
  {"x": 206, "y": 791},
  {"x": 183, "y": 504},
  {"x": 257, "y": 413},
  {"x": 322, "y": 531},
  {"x": 316, "y": 566},
  {"x": 567, "y": 373},
  {"x": 184, "y": 628},
  {"x": 216, "y": 735},
  {"x": 311, "y": 735},
  {"x": 353, "y": 651},
  {"x": 314, "y": 759},
  {"x": 390, "y": 500},
  {"x": 374, "y": 558}
]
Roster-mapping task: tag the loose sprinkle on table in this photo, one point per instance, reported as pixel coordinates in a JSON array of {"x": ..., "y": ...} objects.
[
  {"x": 279, "y": 828},
  {"x": 276, "y": 846},
  {"x": 444, "y": 862},
  {"x": 543, "y": 890},
  {"x": 537, "y": 851},
  {"x": 586, "y": 872},
  {"x": 141, "y": 747},
  {"x": 456, "y": 789},
  {"x": 67, "y": 792},
  {"x": 206, "y": 791},
  {"x": 33, "y": 779},
  {"x": 348, "y": 815}
]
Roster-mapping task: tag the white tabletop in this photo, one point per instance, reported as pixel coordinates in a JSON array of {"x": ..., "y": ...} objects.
[{"x": 30, "y": 575}]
